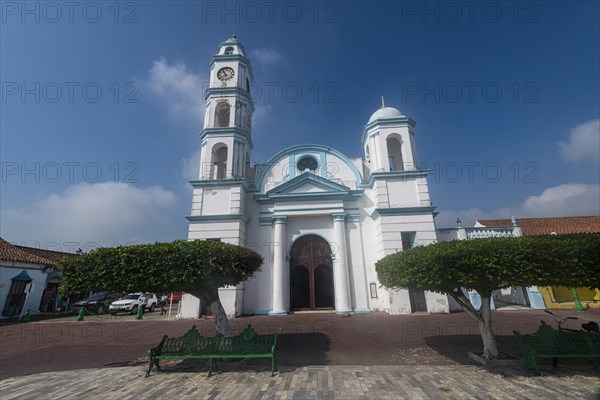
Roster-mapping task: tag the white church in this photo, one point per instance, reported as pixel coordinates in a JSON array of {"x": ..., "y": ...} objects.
[{"x": 320, "y": 219}]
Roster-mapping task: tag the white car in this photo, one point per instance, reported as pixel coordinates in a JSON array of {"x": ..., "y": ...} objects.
[{"x": 132, "y": 302}]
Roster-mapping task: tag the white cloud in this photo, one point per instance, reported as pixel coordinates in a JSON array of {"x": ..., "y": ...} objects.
[
  {"x": 106, "y": 214},
  {"x": 583, "y": 144},
  {"x": 190, "y": 169},
  {"x": 266, "y": 57},
  {"x": 564, "y": 200},
  {"x": 179, "y": 88},
  {"x": 571, "y": 199}
]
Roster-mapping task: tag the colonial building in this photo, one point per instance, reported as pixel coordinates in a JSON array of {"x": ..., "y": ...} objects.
[
  {"x": 319, "y": 218},
  {"x": 29, "y": 279}
]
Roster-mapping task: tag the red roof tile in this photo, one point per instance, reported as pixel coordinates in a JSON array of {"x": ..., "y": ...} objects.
[
  {"x": 51, "y": 255},
  {"x": 9, "y": 252},
  {"x": 545, "y": 226}
]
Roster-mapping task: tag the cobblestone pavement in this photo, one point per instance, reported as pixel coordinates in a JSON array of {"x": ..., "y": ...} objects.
[
  {"x": 320, "y": 356},
  {"x": 186, "y": 381}
]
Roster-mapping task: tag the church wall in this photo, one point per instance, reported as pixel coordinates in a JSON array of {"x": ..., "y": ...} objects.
[
  {"x": 356, "y": 266},
  {"x": 257, "y": 293},
  {"x": 216, "y": 201},
  {"x": 229, "y": 232},
  {"x": 423, "y": 192},
  {"x": 402, "y": 193}
]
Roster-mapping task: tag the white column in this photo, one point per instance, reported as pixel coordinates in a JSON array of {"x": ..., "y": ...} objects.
[
  {"x": 279, "y": 282},
  {"x": 343, "y": 303}
]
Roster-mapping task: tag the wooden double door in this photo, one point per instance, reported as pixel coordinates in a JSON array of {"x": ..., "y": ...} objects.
[{"x": 311, "y": 274}]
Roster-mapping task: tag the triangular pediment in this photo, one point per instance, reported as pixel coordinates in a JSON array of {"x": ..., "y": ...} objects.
[
  {"x": 308, "y": 187},
  {"x": 308, "y": 183}
]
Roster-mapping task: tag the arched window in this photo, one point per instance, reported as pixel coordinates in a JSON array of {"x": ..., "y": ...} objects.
[
  {"x": 307, "y": 163},
  {"x": 222, "y": 115},
  {"x": 229, "y": 50},
  {"x": 368, "y": 154},
  {"x": 247, "y": 85},
  {"x": 394, "y": 149},
  {"x": 220, "y": 161}
]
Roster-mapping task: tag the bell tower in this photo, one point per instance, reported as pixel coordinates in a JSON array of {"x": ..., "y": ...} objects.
[{"x": 226, "y": 137}]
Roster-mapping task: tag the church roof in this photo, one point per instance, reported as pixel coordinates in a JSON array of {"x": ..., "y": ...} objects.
[
  {"x": 545, "y": 226},
  {"x": 385, "y": 112}
]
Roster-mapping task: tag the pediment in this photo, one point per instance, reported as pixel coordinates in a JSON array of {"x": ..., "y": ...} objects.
[
  {"x": 308, "y": 187},
  {"x": 308, "y": 183}
]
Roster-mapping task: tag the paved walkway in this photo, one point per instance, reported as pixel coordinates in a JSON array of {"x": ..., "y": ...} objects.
[
  {"x": 184, "y": 381},
  {"x": 366, "y": 356}
]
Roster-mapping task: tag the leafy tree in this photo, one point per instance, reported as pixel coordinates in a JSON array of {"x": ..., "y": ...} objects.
[
  {"x": 485, "y": 265},
  {"x": 197, "y": 267}
]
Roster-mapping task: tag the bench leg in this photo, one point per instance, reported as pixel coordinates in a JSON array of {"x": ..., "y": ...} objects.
[
  {"x": 554, "y": 361},
  {"x": 210, "y": 366},
  {"x": 150, "y": 362},
  {"x": 529, "y": 360},
  {"x": 273, "y": 365}
]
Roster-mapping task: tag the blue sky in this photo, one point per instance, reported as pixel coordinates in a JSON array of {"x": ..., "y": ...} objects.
[{"x": 101, "y": 104}]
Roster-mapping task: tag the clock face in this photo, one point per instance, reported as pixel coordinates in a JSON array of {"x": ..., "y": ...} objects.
[{"x": 225, "y": 74}]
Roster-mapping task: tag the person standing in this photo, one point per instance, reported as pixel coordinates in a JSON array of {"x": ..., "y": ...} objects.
[{"x": 163, "y": 304}]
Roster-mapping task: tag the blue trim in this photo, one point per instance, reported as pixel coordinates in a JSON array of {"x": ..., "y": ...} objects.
[
  {"x": 265, "y": 221},
  {"x": 323, "y": 165},
  {"x": 301, "y": 148},
  {"x": 219, "y": 217},
  {"x": 278, "y": 312},
  {"x": 417, "y": 173},
  {"x": 361, "y": 310},
  {"x": 263, "y": 199},
  {"x": 261, "y": 312},
  {"x": 398, "y": 121},
  {"x": 228, "y": 93},
  {"x": 23, "y": 276},
  {"x": 401, "y": 211},
  {"x": 220, "y": 182},
  {"x": 332, "y": 191},
  {"x": 292, "y": 166},
  {"x": 235, "y": 131},
  {"x": 339, "y": 216}
]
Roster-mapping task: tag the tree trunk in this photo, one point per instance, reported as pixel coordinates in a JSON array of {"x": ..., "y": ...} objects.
[
  {"x": 210, "y": 296},
  {"x": 483, "y": 318},
  {"x": 490, "y": 347}
]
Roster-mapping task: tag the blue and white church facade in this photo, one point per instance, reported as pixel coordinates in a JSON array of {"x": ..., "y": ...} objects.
[{"x": 320, "y": 219}]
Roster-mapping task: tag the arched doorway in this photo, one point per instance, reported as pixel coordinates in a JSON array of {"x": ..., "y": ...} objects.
[{"x": 311, "y": 274}]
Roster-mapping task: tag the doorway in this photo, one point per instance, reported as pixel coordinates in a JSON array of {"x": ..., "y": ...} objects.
[
  {"x": 311, "y": 274},
  {"x": 417, "y": 300}
]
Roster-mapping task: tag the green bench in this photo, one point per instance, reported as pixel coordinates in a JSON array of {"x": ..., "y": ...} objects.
[
  {"x": 193, "y": 345},
  {"x": 548, "y": 342}
]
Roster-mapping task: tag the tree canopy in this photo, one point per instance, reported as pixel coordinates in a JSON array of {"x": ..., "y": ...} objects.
[
  {"x": 181, "y": 265},
  {"x": 494, "y": 263},
  {"x": 198, "y": 267},
  {"x": 485, "y": 265}
]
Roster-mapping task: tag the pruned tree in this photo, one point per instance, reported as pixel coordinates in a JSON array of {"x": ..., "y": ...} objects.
[
  {"x": 197, "y": 267},
  {"x": 485, "y": 265}
]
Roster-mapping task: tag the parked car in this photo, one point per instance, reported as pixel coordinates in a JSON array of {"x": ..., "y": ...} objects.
[
  {"x": 132, "y": 302},
  {"x": 174, "y": 297},
  {"x": 97, "y": 303}
]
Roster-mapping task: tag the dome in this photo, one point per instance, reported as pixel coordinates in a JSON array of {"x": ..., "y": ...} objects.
[
  {"x": 385, "y": 112},
  {"x": 232, "y": 46}
]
